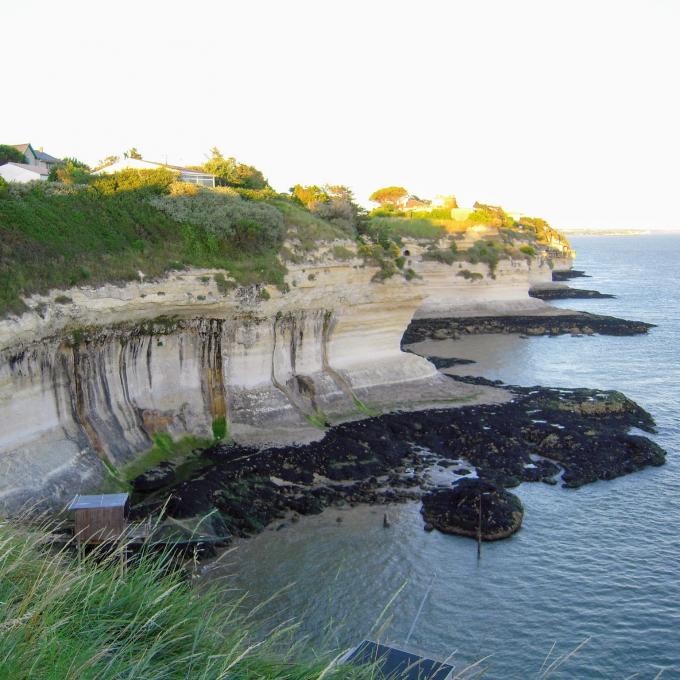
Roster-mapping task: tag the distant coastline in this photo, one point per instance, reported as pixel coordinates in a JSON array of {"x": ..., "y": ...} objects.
[{"x": 618, "y": 232}]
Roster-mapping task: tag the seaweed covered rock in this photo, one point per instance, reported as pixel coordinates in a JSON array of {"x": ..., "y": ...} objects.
[{"x": 456, "y": 510}]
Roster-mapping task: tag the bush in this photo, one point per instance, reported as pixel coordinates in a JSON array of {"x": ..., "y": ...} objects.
[
  {"x": 471, "y": 276},
  {"x": 4, "y": 188},
  {"x": 8, "y": 154},
  {"x": 248, "y": 226},
  {"x": 489, "y": 252},
  {"x": 153, "y": 182},
  {"x": 528, "y": 250},
  {"x": 404, "y": 227}
]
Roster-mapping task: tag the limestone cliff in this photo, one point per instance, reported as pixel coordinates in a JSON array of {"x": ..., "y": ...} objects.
[{"x": 87, "y": 382}]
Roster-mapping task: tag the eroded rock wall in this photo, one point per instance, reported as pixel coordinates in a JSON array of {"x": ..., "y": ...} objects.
[{"x": 87, "y": 383}]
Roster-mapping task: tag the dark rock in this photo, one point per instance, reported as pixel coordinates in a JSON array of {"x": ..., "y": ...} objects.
[
  {"x": 462, "y": 471},
  {"x": 566, "y": 293},
  {"x": 582, "y": 322},
  {"x": 155, "y": 478},
  {"x": 568, "y": 274},
  {"x": 457, "y": 510}
]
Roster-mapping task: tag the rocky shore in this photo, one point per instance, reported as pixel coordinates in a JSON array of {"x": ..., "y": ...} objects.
[
  {"x": 562, "y": 292},
  {"x": 543, "y": 435},
  {"x": 574, "y": 323}
]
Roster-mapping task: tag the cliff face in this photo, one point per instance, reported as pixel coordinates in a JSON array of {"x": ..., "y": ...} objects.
[{"x": 88, "y": 382}]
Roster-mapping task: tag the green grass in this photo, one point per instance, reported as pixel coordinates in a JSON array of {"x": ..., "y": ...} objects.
[
  {"x": 56, "y": 236},
  {"x": 65, "y": 620},
  {"x": 406, "y": 228},
  {"x": 164, "y": 448}
]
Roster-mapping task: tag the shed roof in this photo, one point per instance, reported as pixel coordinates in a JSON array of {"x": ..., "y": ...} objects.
[
  {"x": 102, "y": 500},
  {"x": 396, "y": 662}
]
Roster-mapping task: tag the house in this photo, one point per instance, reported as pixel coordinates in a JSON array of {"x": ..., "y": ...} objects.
[
  {"x": 37, "y": 157},
  {"x": 185, "y": 174},
  {"x": 23, "y": 172}
]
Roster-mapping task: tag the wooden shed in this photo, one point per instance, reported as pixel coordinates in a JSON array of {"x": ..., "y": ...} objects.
[{"x": 100, "y": 518}]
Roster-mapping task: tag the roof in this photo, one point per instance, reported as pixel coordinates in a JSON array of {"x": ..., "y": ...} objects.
[
  {"x": 102, "y": 500},
  {"x": 32, "y": 168},
  {"x": 42, "y": 156},
  {"x": 395, "y": 662},
  {"x": 22, "y": 147},
  {"x": 141, "y": 163}
]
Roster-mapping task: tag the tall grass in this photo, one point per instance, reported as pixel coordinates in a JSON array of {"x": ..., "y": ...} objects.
[{"x": 61, "y": 619}]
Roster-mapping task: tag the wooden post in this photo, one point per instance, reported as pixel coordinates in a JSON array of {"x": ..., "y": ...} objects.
[{"x": 479, "y": 529}]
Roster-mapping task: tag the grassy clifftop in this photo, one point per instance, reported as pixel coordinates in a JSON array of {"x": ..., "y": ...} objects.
[
  {"x": 143, "y": 223},
  {"x": 56, "y": 236}
]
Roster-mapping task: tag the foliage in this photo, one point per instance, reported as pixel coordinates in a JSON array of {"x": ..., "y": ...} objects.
[
  {"x": 229, "y": 172},
  {"x": 387, "y": 210},
  {"x": 105, "y": 162},
  {"x": 156, "y": 181},
  {"x": 56, "y": 236},
  {"x": 248, "y": 226},
  {"x": 223, "y": 285},
  {"x": 4, "y": 188},
  {"x": 308, "y": 195},
  {"x": 69, "y": 619},
  {"x": 8, "y": 154},
  {"x": 528, "y": 250},
  {"x": 542, "y": 231},
  {"x": 490, "y": 252},
  {"x": 388, "y": 195},
  {"x": 404, "y": 227},
  {"x": 444, "y": 255},
  {"x": 133, "y": 153},
  {"x": 490, "y": 215},
  {"x": 219, "y": 428},
  {"x": 471, "y": 276},
  {"x": 71, "y": 171},
  {"x": 342, "y": 253}
]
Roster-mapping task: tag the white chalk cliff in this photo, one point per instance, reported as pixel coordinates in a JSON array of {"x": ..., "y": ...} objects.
[{"x": 87, "y": 383}]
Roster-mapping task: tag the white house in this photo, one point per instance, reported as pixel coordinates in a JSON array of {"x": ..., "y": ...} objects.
[
  {"x": 185, "y": 174},
  {"x": 23, "y": 172}
]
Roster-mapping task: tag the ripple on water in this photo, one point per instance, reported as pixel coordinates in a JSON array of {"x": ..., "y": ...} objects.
[{"x": 600, "y": 562}]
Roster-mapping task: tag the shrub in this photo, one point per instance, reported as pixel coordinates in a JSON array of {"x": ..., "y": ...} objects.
[
  {"x": 4, "y": 188},
  {"x": 385, "y": 227},
  {"x": 157, "y": 181},
  {"x": 528, "y": 250},
  {"x": 342, "y": 253},
  {"x": 489, "y": 252},
  {"x": 183, "y": 189},
  {"x": 223, "y": 284},
  {"x": 471, "y": 276},
  {"x": 8, "y": 154},
  {"x": 248, "y": 226}
]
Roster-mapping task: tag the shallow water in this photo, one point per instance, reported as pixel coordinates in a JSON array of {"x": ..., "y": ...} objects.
[{"x": 600, "y": 563}]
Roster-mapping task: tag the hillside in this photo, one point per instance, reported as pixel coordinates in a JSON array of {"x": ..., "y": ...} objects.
[{"x": 142, "y": 224}]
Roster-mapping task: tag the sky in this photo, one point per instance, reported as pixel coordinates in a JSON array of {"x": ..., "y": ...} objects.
[{"x": 566, "y": 110}]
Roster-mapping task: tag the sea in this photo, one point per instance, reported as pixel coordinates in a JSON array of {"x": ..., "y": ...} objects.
[{"x": 588, "y": 588}]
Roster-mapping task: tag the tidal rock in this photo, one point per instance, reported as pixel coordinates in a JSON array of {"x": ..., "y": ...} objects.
[
  {"x": 456, "y": 510},
  {"x": 155, "y": 478}
]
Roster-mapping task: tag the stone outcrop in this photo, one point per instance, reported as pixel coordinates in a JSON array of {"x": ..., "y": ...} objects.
[{"x": 473, "y": 508}]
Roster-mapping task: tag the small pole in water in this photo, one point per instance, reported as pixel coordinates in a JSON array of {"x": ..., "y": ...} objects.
[
  {"x": 479, "y": 529},
  {"x": 386, "y": 521}
]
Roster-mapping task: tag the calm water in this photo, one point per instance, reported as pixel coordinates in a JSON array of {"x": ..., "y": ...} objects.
[{"x": 599, "y": 563}]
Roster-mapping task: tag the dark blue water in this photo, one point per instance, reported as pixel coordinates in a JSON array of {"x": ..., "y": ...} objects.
[{"x": 599, "y": 564}]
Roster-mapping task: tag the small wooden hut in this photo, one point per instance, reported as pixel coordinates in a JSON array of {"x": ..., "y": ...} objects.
[{"x": 100, "y": 518}]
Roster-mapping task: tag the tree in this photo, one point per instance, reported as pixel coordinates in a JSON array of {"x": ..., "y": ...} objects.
[
  {"x": 308, "y": 195},
  {"x": 8, "y": 154},
  {"x": 229, "y": 172},
  {"x": 70, "y": 171},
  {"x": 388, "y": 195},
  {"x": 133, "y": 153},
  {"x": 109, "y": 160}
]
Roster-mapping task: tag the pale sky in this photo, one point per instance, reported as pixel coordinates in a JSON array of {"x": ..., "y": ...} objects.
[{"x": 567, "y": 110}]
